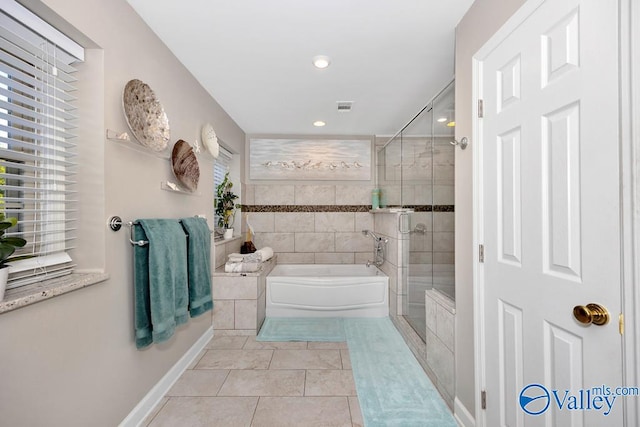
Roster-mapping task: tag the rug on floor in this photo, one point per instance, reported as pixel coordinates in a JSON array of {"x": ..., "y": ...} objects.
[
  {"x": 393, "y": 389},
  {"x": 328, "y": 329}
]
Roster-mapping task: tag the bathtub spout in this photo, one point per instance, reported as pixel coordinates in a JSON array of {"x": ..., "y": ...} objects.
[{"x": 377, "y": 263}]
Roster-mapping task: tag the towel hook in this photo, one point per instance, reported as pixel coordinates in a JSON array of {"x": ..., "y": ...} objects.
[{"x": 462, "y": 143}]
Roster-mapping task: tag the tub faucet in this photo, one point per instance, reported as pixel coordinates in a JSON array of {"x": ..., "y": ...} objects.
[
  {"x": 378, "y": 248},
  {"x": 374, "y": 236}
]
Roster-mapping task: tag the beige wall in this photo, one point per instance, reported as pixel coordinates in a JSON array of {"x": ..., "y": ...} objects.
[
  {"x": 480, "y": 22},
  {"x": 71, "y": 360}
]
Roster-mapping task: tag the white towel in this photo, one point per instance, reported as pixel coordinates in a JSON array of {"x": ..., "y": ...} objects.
[
  {"x": 266, "y": 253},
  {"x": 235, "y": 257},
  {"x": 241, "y": 267},
  {"x": 261, "y": 255}
]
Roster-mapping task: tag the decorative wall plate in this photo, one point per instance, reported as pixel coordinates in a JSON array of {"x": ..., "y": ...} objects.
[
  {"x": 210, "y": 140},
  {"x": 145, "y": 116},
  {"x": 185, "y": 165}
]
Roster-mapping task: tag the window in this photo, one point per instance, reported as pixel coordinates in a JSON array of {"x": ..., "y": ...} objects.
[
  {"x": 37, "y": 120},
  {"x": 220, "y": 168}
]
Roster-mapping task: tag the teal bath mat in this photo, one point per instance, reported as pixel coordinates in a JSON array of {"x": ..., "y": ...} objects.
[
  {"x": 302, "y": 329},
  {"x": 393, "y": 390}
]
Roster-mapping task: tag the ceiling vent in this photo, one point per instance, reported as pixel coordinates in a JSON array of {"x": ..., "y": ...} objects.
[{"x": 345, "y": 106}]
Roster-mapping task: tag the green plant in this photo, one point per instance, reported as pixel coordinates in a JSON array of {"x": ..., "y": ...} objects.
[
  {"x": 225, "y": 203},
  {"x": 8, "y": 245}
]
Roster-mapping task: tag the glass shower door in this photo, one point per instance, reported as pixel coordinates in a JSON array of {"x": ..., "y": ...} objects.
[
  {"x": 417, "y": 195},
  {"x": 427, "y": 188}
]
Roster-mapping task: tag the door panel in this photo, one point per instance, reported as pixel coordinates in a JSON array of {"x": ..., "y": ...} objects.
[{"x": 549, "y": 191}]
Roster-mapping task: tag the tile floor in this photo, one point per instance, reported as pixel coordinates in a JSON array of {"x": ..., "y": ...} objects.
[{"x": 238, "y": 381}]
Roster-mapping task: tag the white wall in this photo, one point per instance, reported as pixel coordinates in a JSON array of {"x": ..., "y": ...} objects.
[
  {"x": 71, "y": 360},
  {"x": 480, "y": 22}
]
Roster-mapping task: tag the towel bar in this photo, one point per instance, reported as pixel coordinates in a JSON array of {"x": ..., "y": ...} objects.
[{"x": 115, "y": 223}]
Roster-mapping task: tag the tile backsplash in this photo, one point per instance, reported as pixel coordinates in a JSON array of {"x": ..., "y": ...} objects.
[
  {"x": 322, "y": 224},
  {"x": 311, "y": 224}
]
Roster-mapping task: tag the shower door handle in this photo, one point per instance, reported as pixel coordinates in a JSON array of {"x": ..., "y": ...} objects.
[{"x": 403, "y": 223}]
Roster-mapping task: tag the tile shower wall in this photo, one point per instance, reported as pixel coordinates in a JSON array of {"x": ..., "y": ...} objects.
[
  {"x": 311, "y": 224},
  {"x": 439, "y": 347}
]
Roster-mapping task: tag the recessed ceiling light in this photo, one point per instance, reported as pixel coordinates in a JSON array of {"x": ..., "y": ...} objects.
[
  {"x": 319, "y": 123},
  {"x": 451, "y": 124},
  {"x": 442, "y": 119},
  {"x": 321, "y": 61}
]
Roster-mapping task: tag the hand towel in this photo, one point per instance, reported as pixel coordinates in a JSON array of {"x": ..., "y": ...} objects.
[
  {"x": 168, "y": 288},
  {"x": 198, "y": 264},
  {"x": 242, "y": 267},
  {"x": 235, "y": 257}
]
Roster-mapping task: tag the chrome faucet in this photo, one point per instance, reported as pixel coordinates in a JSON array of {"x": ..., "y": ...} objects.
[{"x": 378, "y": 247}]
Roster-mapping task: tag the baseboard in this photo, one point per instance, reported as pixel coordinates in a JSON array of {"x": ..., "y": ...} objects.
[
  {"x": 462, "y": 415},
  {"x": 155, "y": 395}
]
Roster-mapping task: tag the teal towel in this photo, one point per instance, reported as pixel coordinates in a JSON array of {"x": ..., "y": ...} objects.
[
  {"x": 142, "y": 309},
  {"x": 167, "y": 276},
  {"x": 198, "y": 264}
]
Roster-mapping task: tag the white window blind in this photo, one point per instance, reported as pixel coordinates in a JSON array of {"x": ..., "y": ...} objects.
[
  {"x": 220, "y": 168},
  {"x": 37, "y": 122}
]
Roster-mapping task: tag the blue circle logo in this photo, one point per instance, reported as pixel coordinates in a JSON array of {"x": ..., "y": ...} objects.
[{"x": 534, "y": 399}]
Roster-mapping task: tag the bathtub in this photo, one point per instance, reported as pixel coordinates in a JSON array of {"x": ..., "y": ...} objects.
[{"x": 327, "y": 290}]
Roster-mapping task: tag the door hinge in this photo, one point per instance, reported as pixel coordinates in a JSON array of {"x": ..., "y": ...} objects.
[
  {"x": 480, "y": 108},
  {"x": 483, "y": 399},
  {"x": 621, "y": 324},
  {"x": 481, "y": 253}
]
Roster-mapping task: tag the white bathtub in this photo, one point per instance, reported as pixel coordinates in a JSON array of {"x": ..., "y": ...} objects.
[{"x": 327, "y": 290}]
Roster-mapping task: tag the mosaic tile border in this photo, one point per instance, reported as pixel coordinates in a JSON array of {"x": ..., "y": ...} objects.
[{"x": 338, "y": 208}]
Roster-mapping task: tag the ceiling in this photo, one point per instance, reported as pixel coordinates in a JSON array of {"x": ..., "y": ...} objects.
[{"x": 388, "y": 57}]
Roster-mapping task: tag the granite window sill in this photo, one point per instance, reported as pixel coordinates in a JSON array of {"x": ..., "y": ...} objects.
[
  {"x": 36, "y": 292},
  {"x": 218, "y": 242}
]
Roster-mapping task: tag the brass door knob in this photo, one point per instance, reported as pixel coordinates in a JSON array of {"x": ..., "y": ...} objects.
[{"x": 591, "y": 313}]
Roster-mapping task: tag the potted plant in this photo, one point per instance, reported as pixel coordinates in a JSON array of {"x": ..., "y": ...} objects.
[
  {"x": 8, "y": 246},
  {"x": 226, "y": 206}
]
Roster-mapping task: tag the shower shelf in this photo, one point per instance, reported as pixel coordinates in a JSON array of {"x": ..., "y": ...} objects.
[{"x": 390, "y": 210}]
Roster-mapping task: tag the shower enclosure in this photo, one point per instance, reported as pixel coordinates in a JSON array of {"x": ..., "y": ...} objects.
[{"x": 416, "y": 173}]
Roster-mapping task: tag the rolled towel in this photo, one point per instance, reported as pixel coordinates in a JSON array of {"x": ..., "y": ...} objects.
[
  {"x": 254, "y": 257},
  {"x": 266, "y": 253},
  {"x": 241, "y": 267}
]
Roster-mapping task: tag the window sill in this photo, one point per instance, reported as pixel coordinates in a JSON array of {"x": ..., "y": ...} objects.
[
  {"x": 31, "y": 294},
  {"x": 222, "y": 241}
]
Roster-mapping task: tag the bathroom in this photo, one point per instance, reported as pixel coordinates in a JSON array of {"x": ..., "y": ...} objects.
[
  {"x": 123, "y": 181},
  {"x": 68, "y": 347}
]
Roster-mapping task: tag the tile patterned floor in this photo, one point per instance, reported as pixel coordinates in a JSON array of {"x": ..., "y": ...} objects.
[{"x": 238, "y": 381}]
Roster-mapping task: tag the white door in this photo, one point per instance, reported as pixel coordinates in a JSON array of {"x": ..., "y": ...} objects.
[{"x": 549, "y": 215}]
